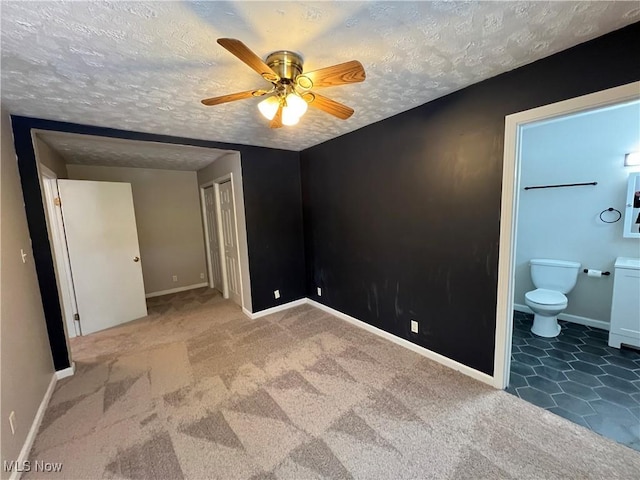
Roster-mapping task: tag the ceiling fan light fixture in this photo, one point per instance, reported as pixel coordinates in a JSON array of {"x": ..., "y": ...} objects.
[
  {"x": 269, "y": 106},
  {"x": 288, "y": 118},
  {"x": 296, "y": 105},
  {"x": 294, "y": 108},
  {"x": 290, "y": 93}
]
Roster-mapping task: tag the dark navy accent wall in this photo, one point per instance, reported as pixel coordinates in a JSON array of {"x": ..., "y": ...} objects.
[
  {"x": 274, "y": 227},
  {"x": 271, "y": 184},
  {"x": 40, "y": 244},
  {"x": 402, "y": 217}
]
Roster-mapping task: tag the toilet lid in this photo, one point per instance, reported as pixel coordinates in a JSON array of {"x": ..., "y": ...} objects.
[{"x": 546, "y": 297}]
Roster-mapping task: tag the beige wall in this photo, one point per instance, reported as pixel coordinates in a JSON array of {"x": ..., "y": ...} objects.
[
  {"x": 224, "y": 165},
  {"x": 25, "y": 355},
  {"x": 50, "y": 158},
  {"x": 168, "y": 217}
]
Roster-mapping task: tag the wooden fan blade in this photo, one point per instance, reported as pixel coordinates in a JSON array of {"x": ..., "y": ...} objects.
[
  {"x": 232, "y": 97},
  {"x": 327, "y": 105},
  {"x": 348, "y": 72},
  {"x": 240, "y": 50},
  {"x": 277, "y": 120}
]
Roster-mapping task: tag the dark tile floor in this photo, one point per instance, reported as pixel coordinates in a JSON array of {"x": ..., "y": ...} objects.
[{"x": 578, "y": 376}]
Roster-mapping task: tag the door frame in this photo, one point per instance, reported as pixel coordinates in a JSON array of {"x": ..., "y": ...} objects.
[
  {"x": 55, "y": 227},
  {"x": 60, "y": 252},
  {"x": 216, "y": 185},
  {"x": 509, "y": 206}
]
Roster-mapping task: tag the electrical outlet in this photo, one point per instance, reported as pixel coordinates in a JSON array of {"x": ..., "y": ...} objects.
[
  {"x": 12, "y": 422},
  {"x": 175, "y": 278},
  {"x": 276, "y": 293},
  {"x": 319, "y": 292},
  {"x": 202, "y": 276},
  {"x": 414, "y": 326}
]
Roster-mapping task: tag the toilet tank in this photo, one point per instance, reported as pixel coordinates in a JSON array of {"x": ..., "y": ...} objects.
[{"x": 559, "y": 275}]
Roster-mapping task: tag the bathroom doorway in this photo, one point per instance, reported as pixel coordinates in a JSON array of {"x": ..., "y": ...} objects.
[{"x": 549, "y": 379}]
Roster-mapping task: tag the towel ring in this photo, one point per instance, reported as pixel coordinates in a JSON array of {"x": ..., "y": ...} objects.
[{"x": 610, "y": 209}]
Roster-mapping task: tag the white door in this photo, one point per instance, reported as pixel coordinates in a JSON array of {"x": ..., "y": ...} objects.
[
  {"x": 103, "y": 247},
  {"x": 230, "y": 241},
  {"x": 212, "y": 234}
]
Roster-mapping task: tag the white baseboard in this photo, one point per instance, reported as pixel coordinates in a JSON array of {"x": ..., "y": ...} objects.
[
  {"x": 589, "y": 322},
  {"x": 176, "y": 290},
  {"x": 35, "y": 426},
  {"x": 67, "y": 372},
  {"x": 471, "y": 372},
  {"x": 279, "y": 308},
  {"x": 447, "y": 362}
]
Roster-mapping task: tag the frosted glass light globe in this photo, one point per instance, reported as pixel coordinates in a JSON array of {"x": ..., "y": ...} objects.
[
  {"x": 297, "y": 105},
  {"x": 288, "y": 117},
  {"x": 269, "y": 106}
]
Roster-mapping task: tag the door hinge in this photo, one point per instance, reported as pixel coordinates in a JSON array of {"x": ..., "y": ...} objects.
[
  {"x": 76, "y": 323},
  {"x": 57, "y": 202}
]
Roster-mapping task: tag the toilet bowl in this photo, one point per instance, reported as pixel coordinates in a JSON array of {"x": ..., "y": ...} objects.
[
  {"x": 553, "y": 279},
  {"x": 546, "y": 306}
]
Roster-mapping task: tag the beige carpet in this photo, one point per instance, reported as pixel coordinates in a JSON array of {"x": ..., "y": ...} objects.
[{"x": 196, "y": 390}]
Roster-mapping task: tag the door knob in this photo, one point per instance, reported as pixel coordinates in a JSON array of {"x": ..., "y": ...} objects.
[{"x": 136, "y": 259}]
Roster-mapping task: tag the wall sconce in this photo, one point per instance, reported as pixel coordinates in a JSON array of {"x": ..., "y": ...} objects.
[{"x": 632, "y": 159}]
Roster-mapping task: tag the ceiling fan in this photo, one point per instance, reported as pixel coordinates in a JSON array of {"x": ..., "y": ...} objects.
[{"x": 290, "y": 94}]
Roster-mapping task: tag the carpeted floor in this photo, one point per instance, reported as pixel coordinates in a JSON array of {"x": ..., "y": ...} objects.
[{"x": 196, "y": 390}]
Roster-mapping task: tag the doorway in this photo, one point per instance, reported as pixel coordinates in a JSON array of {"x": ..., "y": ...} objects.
[
  {"x": 574, "y": 375},
  {"x": 510, "y": 202},
  {"x": 91, "y": 225},
  {"x": 221, "y": 237}
]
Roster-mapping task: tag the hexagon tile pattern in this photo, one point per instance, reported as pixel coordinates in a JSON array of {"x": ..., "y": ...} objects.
[
  {"x": 578, "y": 376},
  {"x": 145, "y": 66}
]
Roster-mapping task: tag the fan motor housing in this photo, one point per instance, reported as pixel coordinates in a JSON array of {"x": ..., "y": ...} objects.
[{"x": 287, "y": 64}]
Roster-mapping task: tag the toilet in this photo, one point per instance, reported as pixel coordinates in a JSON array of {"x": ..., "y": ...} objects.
[{"x": 552, "y": 279}]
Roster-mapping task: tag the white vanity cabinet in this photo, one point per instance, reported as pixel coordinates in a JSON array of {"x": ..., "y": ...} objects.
[{"x": 625, "y": 308}]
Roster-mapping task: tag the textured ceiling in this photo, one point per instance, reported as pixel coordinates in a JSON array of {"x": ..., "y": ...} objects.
[
  {"x": 144, "y": 66},
  {"x": 116, "y": 152}
]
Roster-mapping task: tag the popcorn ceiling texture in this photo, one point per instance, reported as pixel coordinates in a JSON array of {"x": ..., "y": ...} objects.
[
  {"x": 115, "y": 152},
  {"x": 145, "y": 66}
]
